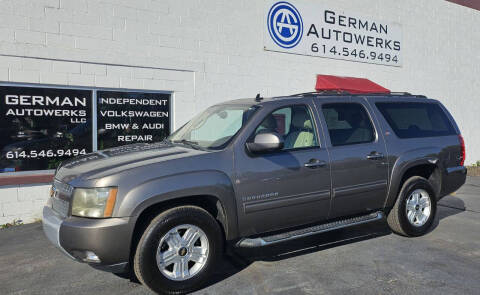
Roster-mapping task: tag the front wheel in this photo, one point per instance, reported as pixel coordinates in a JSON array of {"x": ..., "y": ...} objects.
[
  {"x": 415, "y": 208},
  {"x": 178, "y": 250}
]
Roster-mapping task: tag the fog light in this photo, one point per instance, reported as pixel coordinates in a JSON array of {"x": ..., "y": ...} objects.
[{"x": 91, "y": 257}]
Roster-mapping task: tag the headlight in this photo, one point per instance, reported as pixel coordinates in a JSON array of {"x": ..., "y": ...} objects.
[{"x": 94, "y": 202}]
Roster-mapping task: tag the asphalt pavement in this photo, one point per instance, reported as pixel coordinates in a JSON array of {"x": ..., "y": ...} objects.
[{"x": 366, "y": 259}]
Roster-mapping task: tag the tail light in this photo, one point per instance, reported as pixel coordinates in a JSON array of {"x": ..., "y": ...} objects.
[{"x": 462, "y": 146}]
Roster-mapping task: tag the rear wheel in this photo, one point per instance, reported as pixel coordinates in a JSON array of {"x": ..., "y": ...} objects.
[
  {"x": 415, "y": 208},
  {"x": 178, "y": 250}
]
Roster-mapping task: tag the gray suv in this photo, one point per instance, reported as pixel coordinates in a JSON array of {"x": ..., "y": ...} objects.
[{"x": 255, "y": 172}]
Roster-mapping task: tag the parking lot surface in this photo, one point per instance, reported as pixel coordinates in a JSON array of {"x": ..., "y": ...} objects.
[{"x": 367, "y": 259}]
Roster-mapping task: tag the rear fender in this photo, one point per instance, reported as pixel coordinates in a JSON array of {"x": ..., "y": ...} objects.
[{"x": 422, "y": 156}]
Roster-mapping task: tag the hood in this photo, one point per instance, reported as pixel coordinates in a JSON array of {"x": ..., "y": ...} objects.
[{"x": 114, "y": 160}]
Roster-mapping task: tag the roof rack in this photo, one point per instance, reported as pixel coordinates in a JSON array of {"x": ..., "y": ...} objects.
[
  {"x": 399, "y": 93},
  {"x": 323, "y": 92},
  {"x": 392, "y": 94},
  {"x": 328, "y": 85},
  {"x": 343, "y": 92}
]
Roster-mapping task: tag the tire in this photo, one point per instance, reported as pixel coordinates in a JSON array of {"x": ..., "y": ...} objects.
[
  {"x": 163, "y": 228},
  {"x": 411, "y": 221}
]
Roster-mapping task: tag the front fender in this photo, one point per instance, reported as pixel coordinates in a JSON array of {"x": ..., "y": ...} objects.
[
  {"x": 412, "y": 158},
  {"x": 199, "y": 183}
]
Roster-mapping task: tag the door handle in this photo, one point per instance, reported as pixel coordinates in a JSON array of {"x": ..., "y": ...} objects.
[
  {"x": 375, "y": 156},
  {"x": 315, "y": 163}
]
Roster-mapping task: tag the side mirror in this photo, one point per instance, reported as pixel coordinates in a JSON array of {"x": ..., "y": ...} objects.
[{"x": 265, "y": 142}]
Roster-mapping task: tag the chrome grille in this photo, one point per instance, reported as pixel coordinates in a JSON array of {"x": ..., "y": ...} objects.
[
  {"x": 61, "y": 195},
  {"x": 62, "y": 188},
  {"x": 60, "y": 206}
]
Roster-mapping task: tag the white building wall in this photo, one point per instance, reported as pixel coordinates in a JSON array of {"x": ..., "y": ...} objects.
[
  {"x": 22, "y": 202},
  {"x": 211, "y": 51}
]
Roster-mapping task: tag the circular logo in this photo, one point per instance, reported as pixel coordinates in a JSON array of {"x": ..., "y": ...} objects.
[{"x": 285, "y": 24}]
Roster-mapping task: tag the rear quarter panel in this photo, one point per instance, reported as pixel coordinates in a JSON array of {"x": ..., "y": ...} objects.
[{"x": 407, "y": 153}]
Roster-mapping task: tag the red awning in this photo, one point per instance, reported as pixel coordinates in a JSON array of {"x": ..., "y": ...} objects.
[{"x": 348, "y": 84}]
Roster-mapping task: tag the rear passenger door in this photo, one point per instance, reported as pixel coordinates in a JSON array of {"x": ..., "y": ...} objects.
[{"x": 358, "y": 156}]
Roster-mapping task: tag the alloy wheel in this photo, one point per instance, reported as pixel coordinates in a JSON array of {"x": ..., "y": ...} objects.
[
  {"x": 418, "y": 207},
  {"x": 182, "y": 252}
]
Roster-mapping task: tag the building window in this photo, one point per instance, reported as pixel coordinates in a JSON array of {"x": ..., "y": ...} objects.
[
  {"x": 130, "y": 117},
  {"x": 43, "y": 126}
]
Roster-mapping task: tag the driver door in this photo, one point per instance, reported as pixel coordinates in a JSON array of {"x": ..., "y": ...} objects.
[{"x": 288, "y": 187}]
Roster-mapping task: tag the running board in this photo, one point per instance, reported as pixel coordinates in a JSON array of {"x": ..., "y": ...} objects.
[{"x": 304, "y": 232}]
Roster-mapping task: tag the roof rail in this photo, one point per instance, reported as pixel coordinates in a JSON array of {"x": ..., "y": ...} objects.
[
  {"x": 396, "y": 94},
  {"x": 343, "y": 92},
  {"x": 323, "y": 92},
  {"x": 399, "y": 93}
]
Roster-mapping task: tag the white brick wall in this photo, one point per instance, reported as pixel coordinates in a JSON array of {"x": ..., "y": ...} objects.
[
  {"x": 30, "y": 37},
  {"x": 216, "y": 49},
  {"x": 24, "y": 202}
]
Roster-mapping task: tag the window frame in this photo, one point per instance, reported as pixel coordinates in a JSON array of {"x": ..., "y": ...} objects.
[
  {"x": 369, "y": 115},
  {"x": 251, "y": 137}
]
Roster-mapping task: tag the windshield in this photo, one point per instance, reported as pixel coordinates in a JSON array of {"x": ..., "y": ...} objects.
[{"x": 214, "y": 128}]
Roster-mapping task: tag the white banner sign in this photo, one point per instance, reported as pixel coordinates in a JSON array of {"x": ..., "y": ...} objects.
[{"x": 314, "y": 28}]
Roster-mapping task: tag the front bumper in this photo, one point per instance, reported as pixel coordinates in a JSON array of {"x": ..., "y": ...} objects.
[
  {"x": 51, "y": 227},
  {"x": 109, "y": 239}
]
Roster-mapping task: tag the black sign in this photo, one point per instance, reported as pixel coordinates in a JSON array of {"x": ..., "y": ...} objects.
[
  {"x": 131, "y": 117},
  {"x": 40, "y": 127}
]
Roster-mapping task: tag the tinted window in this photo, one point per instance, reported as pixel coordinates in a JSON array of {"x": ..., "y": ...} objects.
[
  {"x": 411, "y": 120},
  {"x": 348, "y": 123},
  {"x": 294, "y": 124}
]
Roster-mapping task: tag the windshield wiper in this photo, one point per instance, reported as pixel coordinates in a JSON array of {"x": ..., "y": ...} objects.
[{"x": 190, "y": 143}]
